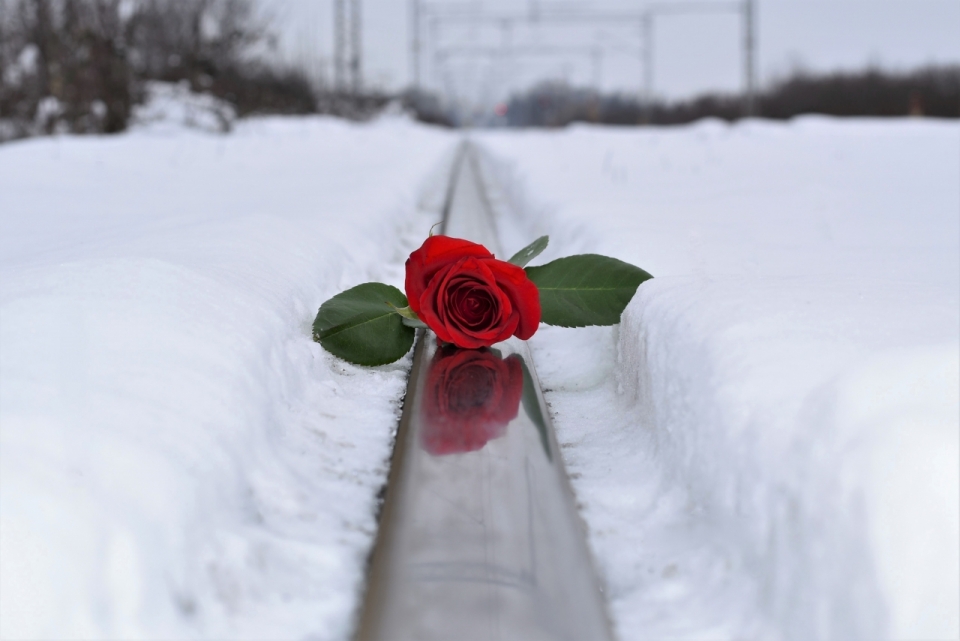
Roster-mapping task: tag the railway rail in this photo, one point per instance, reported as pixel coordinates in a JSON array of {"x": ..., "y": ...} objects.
[{"x": 479, "y": 536}]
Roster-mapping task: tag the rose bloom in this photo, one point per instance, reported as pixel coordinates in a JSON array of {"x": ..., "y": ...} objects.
[
  {"x": 471, "y": 396},
  {"x": 468, "y": 297}
]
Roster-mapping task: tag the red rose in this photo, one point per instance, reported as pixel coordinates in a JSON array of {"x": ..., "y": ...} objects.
[
  {"x": 471, "y": 396},
  {"x": 468, "y": 297}
]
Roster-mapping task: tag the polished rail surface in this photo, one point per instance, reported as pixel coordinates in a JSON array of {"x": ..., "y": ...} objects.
[{"x": 479, "y": 538}]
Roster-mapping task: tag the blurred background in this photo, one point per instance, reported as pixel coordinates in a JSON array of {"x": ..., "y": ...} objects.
[{"x": 87, "y": 65}]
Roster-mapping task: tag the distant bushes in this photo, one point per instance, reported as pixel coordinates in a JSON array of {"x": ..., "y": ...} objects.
[
  {"x": 217, "y": 46},
  {"x": 64, "y": 63},
  {"x": 933, "y": 91},
  {"x": 81, "y": 65},
  {"x": 427, "y": 108}
]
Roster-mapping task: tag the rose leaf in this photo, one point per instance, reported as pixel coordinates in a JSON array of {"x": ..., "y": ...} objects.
[
  {"x": 361, "y": 325},
  {"x": 415, "y": 323},
  {"x": 531, "y": 251},
  {"x": 586, "y": 289},
  {"x": 410, "y": 318}
]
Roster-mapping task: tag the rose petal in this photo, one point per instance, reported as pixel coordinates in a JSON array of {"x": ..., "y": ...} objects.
[
  {"x": 478, "y": 301},
  {"x": 521, "y": 291},
  {"x": 426, "y": 262},
  {"x": 438, "y": 306}
]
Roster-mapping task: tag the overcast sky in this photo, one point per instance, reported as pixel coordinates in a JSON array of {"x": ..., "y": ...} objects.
[{"x": 693, "y": 53}]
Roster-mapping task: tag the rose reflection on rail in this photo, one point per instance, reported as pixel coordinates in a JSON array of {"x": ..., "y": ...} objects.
[{"x": 471, "y": 396}]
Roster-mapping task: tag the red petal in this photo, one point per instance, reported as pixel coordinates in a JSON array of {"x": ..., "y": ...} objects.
[
  {"x": 436, "y": 253},
  {"x": 436, "y": 313},
  {"x": 522, "y": 293}
]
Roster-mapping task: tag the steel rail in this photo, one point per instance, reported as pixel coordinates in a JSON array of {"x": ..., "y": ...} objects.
[{"x": 479, "y": 537}]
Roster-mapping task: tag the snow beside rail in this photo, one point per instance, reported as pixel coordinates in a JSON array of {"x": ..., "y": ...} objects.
[
  {"x": 178, "y": 458},
  {"x": 767, "y": 447}
]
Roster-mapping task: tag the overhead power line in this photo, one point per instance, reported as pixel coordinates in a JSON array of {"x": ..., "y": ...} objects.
[{"x": 436, "y": 15}]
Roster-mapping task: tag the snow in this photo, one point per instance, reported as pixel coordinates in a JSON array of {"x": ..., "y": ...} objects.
[
  {"x": 172, "y": 107},
  {"x": 178, "y": 459},
  {"x": 767, "y": 446}
]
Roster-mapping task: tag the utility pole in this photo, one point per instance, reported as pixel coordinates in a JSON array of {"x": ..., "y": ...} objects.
[
  {"x": 596, "y": 59},
  {"x": 437, "y": 73},
  {"x": 415, "y": 43},
  {"x": 646, "y": 99},
  {"x": 356, "y": 53},
  {"x": 347, "y": 46},
  {"x": 749, "y": 58},
  {"x": 339, "y": 45}
]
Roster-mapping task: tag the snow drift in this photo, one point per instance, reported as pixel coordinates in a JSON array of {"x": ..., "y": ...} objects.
[
  {"x": 767, "y": 446},
  {"x": 178, "y": 458}
]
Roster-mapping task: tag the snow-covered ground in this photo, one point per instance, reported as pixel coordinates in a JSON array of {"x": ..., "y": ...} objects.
[
  {"x": 767, "y": 446},
  {"x": 178, "y": 459}
]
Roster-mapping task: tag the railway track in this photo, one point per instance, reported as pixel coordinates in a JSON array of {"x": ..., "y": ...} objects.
[{"x": 479, "y": 537}]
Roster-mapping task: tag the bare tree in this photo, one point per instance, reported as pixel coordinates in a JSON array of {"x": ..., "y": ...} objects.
[
  {"x": 66, "y": 65},
  {"x": 191, "y": 40},
  {"x": 79, "y": 65}
]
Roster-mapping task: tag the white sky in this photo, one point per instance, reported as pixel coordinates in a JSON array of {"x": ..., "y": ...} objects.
[{"x": 693, "y": 53}]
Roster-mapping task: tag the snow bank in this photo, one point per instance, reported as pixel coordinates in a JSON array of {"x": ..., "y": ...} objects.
[
  {"x": 178, "y": 458},
  {"x": 767, "y": 446},
  {"x": 172, "y": 107}
]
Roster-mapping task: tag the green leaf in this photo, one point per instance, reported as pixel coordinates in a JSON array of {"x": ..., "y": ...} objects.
[
  {"x": 531, "y": 251},
  {"x": 410, "y": 318},
  {"x": 361, "y": 325},
  {"x": 586, "y": 289},
  {"x": 415, "y": 323}
]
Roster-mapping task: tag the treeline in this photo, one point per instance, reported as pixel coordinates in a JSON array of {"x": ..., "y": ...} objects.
[
  {"x": 932, "y": 91},
  {"x": 81, "y": 65}
]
